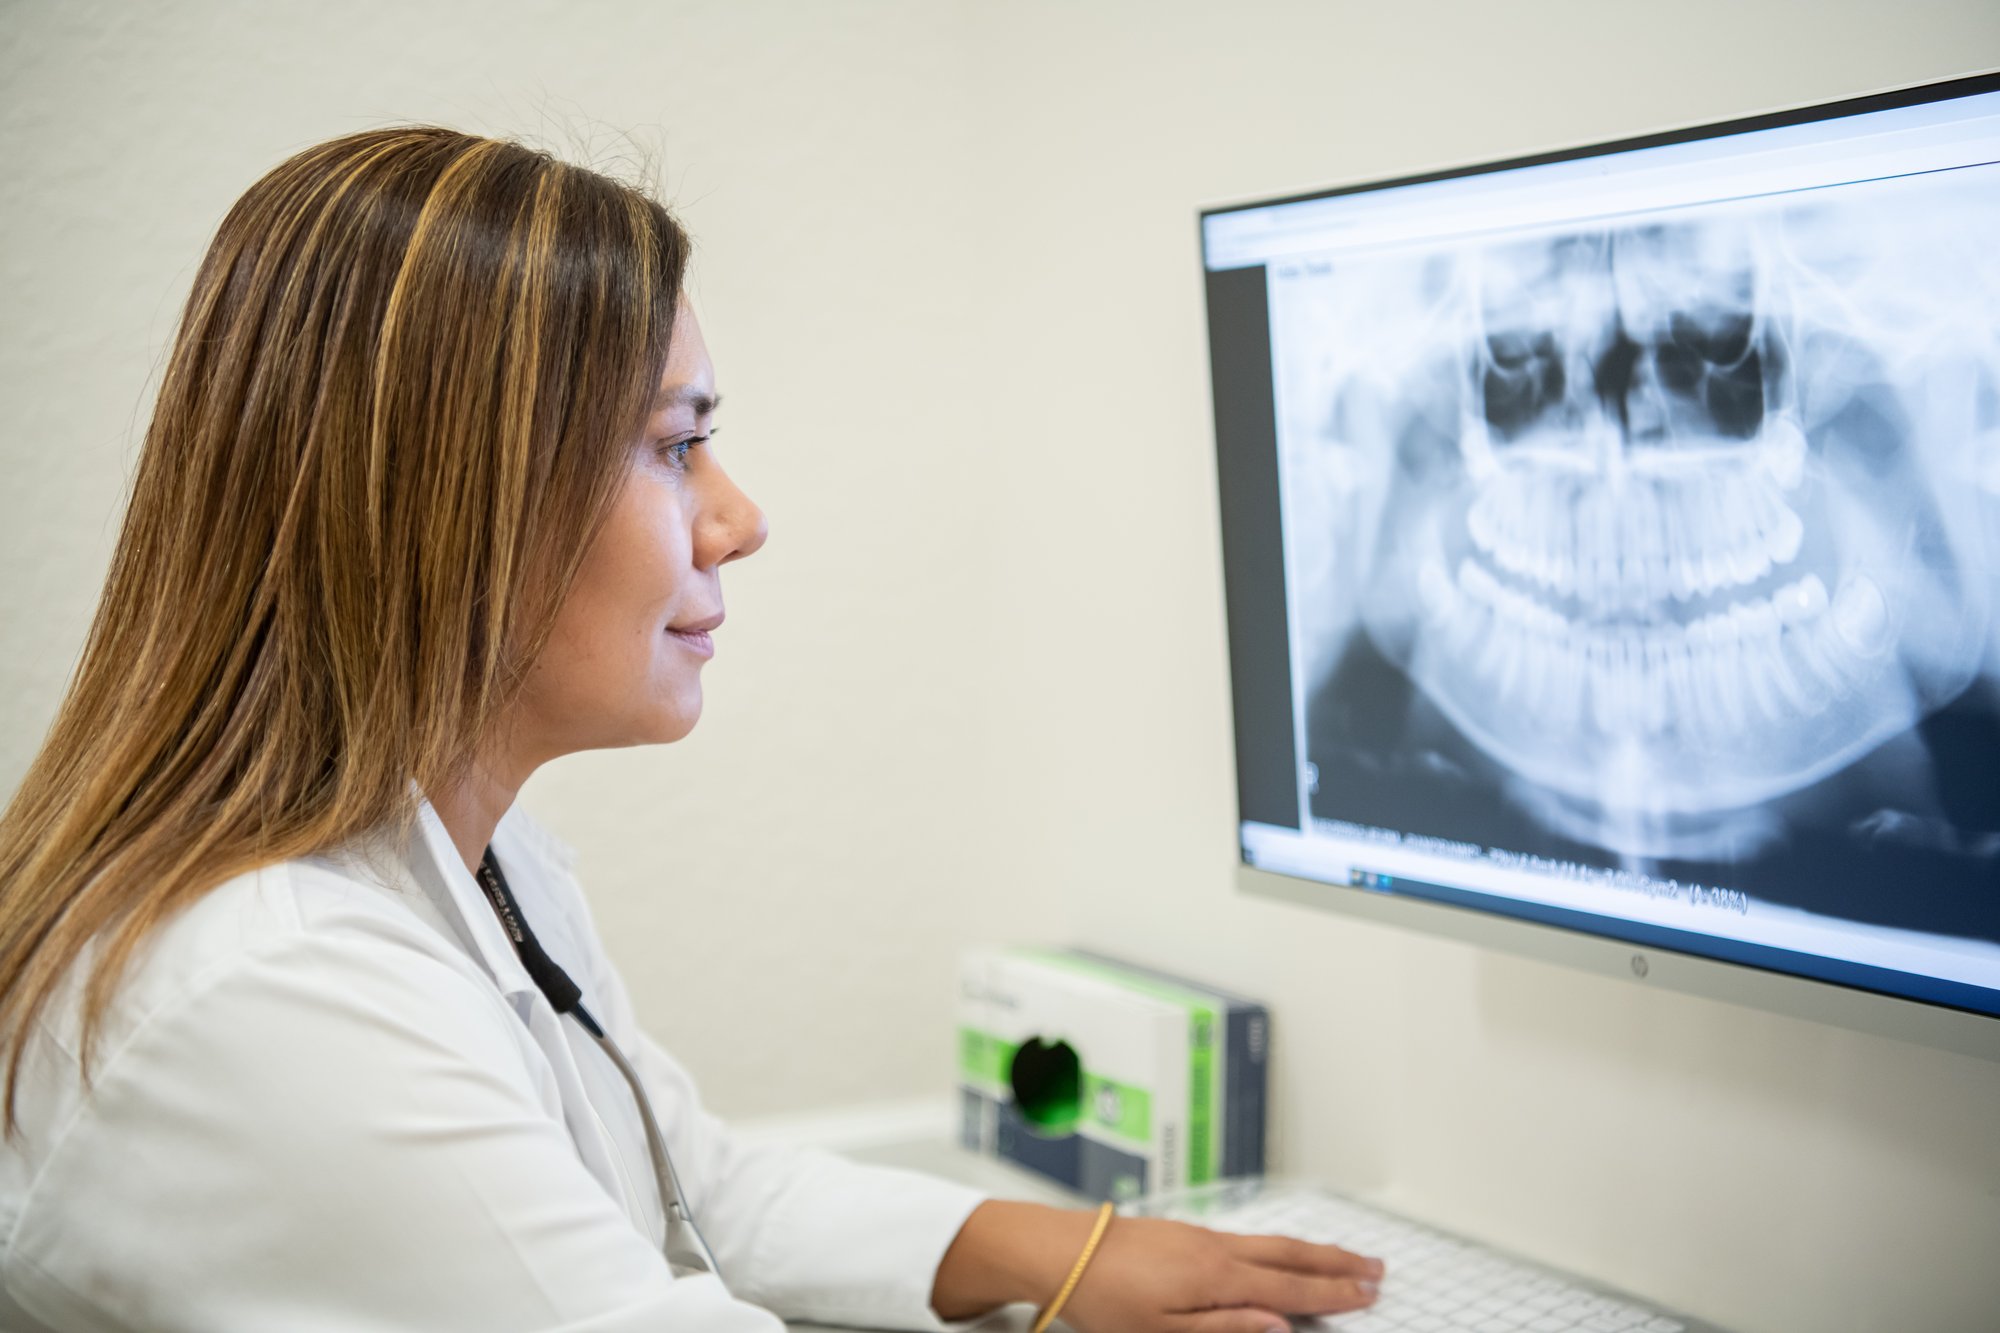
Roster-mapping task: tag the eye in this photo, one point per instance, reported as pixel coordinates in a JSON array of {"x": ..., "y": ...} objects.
[{"x": 676, "y": 451}]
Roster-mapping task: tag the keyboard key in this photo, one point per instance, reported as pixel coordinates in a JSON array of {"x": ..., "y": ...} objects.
[{"x": 1437, "y": 1284}]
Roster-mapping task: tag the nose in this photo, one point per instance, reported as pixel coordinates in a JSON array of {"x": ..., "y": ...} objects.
[{"x": 732, "y": 526}]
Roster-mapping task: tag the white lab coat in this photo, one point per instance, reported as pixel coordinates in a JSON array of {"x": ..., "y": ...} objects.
[{"x": 329, "y": 1099}]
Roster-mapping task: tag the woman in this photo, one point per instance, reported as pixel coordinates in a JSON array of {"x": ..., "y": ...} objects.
[{"x": 428, "y": 499}]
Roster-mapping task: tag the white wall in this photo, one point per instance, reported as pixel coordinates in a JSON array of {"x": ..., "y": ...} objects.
[{"x": 975, "y": 686}]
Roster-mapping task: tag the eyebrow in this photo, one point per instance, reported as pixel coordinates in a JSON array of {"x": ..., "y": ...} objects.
[{"x": 702, "y": 403}]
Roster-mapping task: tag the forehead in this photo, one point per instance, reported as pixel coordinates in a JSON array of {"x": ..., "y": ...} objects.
[
  {"x": 689, "y": 372},
  {"x": 689, "y": 375}
]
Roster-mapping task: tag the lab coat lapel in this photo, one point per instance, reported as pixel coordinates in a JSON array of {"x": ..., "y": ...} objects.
[{"x": 434, "y": 864}]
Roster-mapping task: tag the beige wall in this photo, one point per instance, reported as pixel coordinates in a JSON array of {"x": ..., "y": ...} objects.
[{"x": 975, "y": 686}]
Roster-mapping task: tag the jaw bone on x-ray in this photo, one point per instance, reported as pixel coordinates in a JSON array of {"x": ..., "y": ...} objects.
[{"x": 1671, "y": 519}]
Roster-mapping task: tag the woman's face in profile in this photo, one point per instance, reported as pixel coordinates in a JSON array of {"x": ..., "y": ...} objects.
[{"x": 623, "y": 666}]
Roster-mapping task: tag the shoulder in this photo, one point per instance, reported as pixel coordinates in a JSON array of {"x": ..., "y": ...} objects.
[
  {"x": 302, "y": 1055},
  {"x": 255, "y": 972},
  {"x": 321, "y": 915}
]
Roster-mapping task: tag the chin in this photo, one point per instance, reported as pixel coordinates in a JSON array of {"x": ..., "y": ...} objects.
[
  {"x": 667, "y": 725},
  {"x": 679, "y": 730}
]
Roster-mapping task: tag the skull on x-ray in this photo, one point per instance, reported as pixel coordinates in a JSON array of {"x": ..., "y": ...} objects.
[{"x": 1675, "y": 524}]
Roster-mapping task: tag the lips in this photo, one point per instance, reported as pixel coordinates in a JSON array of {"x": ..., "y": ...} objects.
[{"x": 695, "y": 633}]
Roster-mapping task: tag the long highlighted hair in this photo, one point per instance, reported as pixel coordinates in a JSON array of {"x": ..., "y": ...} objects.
[{"x": 398, "y": 408}]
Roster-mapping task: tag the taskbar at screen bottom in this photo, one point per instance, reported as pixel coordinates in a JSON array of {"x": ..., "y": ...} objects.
[{"x": 1702, "y": 921}]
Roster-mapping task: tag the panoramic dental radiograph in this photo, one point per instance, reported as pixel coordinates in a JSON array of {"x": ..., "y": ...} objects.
[{"x": 1672, "y": 536}]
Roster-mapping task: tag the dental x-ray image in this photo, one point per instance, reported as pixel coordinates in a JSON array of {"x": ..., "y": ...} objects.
[{"x": 1667, "y": 544}]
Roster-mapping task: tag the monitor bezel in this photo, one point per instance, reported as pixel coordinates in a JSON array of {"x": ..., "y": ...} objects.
[
  {"x": 1790, "y": 994},
  {"x": 1967, "y": 85},
  {"x": 1786, "y": 993}
]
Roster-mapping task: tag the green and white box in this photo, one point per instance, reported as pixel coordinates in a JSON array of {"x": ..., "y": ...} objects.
[{"x": 1112, "y": 1079}]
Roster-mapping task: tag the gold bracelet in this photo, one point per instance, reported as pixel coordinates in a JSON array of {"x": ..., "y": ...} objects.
[{"x": 1054, "y": 1308}]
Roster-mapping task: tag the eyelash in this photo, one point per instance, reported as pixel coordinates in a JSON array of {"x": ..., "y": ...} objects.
[{"x": 677, "y": 452}]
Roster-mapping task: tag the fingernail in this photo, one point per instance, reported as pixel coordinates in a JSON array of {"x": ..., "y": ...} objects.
[
  {"x": 1368, "y": 1289},
  {"x": 1376, "y": 1267}
]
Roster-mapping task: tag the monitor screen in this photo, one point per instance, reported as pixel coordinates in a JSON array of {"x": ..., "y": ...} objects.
[{"x": 1612, "y": 538}]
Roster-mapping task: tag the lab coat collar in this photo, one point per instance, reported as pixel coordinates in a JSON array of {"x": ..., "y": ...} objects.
[{"x": 432, "y": 859}]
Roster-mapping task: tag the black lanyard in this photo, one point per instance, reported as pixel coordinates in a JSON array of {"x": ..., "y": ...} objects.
[{"x": 554, "y": 983}]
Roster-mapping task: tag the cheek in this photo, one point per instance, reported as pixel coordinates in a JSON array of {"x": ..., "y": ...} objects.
[
  {"x": 641, "y": 560},
  {"x": 610, "y": 665},
  {"x": 625, "y": 593}
]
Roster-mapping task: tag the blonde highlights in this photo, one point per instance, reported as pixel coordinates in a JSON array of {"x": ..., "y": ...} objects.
[{"x": 397, "y": 410}]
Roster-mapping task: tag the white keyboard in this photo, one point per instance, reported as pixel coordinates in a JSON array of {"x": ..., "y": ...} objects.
[{"x": 1434, "y": 1283}]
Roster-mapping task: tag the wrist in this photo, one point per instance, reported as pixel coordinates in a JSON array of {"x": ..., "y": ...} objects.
[{"x": 1008, "y": 1252}]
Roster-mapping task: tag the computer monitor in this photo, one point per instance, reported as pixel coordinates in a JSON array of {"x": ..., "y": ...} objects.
[{"x": 1612, "y": 546}]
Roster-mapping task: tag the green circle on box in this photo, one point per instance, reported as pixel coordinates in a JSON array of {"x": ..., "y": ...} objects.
[{"x": 1047, "y": 1081}]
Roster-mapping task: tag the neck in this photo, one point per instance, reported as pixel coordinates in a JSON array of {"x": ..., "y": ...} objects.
[{"x": 471, "y": 810}]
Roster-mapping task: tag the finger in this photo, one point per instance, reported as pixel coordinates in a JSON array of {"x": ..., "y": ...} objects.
[
  {"x": 1297, "y": 1293},
  {"x": 1302, "y": 1256},
  {"x": 1237, "y": 1319}
]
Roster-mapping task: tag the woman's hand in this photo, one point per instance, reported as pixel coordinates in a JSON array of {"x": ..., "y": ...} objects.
[{"x": 1149, "y": 1275}]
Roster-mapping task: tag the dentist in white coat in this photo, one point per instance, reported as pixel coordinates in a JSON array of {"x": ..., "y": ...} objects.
[{"x": 307, "y": 1027}]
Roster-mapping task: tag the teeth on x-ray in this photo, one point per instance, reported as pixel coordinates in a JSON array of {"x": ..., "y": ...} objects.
[
  {"x": 1631, "y": 433},
  {"x": 1671, "y": 524},
  {"x": 1768, "y": 661},
  {"x": 1692, "y": 532}
]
